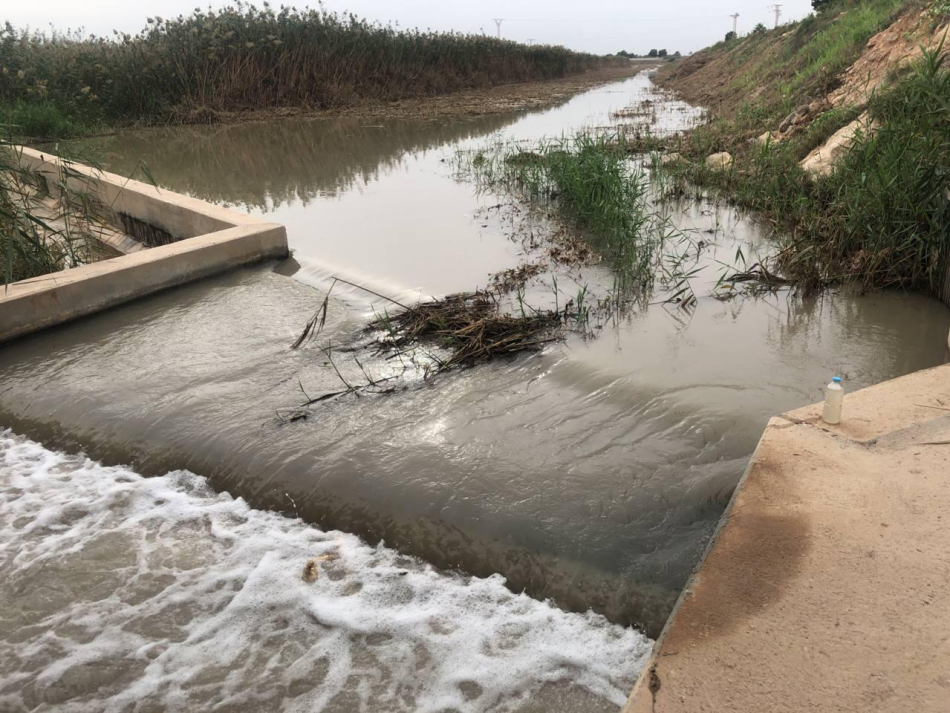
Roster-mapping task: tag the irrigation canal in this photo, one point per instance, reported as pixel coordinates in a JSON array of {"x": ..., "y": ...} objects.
[{"x": 590, "y": 474}]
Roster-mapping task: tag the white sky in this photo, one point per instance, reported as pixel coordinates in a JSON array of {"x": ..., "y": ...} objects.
[{"x": 599, "y": 26}]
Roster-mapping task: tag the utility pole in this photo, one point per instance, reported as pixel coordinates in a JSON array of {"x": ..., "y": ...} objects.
[
  {"x": 498, "y": 21},
  {"x": 735, "y": 23},
  {"x": 778, "y": 12}
]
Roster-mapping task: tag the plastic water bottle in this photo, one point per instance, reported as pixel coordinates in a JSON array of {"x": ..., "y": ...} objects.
[{"x": 834, "y": 397}]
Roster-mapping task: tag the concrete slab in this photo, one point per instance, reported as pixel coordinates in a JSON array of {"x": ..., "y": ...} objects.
[
  {"x": 206, "y": 239},
  {"x": 825, "y": 587}
]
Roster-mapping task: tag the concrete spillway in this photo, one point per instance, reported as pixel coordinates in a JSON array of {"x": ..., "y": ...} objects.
[{"x": 825, "y": 587}]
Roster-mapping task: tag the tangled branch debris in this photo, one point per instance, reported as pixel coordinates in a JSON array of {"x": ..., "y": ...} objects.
[
  {"x": 470, "y": 326},
  {"x": 459, "y": 330}
]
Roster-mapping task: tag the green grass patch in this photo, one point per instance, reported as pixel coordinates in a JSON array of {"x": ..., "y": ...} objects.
[
  {"x": 590, "y": 183},
  {"x": 41, "y": 121}
]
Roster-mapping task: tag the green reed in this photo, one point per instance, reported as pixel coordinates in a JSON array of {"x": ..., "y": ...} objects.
[
  {"x": 43, "y": 228},
  {"x": 244, "y": 58}
]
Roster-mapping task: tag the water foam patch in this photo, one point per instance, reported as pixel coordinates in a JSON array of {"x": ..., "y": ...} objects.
[{"x": 153, "y": 594}]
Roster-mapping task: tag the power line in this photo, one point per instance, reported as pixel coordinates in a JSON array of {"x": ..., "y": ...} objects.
[
  {"x": 498, "y": 21},
  {"x": 612, "y": 21}
]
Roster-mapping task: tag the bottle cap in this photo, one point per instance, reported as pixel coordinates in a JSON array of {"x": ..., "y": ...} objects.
[{"x": 837, "y": 379}]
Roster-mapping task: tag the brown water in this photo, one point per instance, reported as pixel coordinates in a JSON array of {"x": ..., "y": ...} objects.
[{"x": 591, "y": 474}]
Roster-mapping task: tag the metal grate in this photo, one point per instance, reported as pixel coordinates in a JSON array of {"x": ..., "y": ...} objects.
[{"x": 149, "y": 235}]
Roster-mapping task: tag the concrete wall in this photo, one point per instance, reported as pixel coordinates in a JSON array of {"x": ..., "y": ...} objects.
[
  {"x": 824, "y": 588},
  {"x": 213, "y": 240}
]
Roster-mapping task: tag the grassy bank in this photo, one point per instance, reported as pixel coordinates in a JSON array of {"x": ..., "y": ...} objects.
[
  {"x": 882, "y": 217},
  {"x": 752, "y": 83},
  {"x": 241, "y": 58}
]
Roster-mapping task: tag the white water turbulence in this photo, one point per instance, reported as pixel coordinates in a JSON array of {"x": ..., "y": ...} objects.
[{"x": 125, "y": 593}]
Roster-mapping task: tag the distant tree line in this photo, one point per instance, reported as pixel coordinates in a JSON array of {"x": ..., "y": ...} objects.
[{"x": 651, "y": 53}]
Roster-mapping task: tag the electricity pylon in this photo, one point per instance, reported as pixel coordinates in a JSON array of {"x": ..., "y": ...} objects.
[{"x": 778, "y": 12}]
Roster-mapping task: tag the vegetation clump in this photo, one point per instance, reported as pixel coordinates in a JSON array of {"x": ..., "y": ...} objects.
[
  {"x": 243, "y": 58},
  {"x": 590, "y": 183},
  {"x": 436, "y": 335}
]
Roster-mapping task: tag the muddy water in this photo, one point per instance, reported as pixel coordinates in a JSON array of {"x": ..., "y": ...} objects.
[
  {"x": 591, "y": 474},
  {"x": 158, "y": 594}
]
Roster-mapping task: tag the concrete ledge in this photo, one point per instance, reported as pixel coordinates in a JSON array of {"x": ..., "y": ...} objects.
[
  {"x": 209, "y": 240},
  {"x": 825, "y": 586}
]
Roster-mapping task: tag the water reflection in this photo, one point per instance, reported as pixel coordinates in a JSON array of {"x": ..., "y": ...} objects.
[{"x": 266, "y": 166}]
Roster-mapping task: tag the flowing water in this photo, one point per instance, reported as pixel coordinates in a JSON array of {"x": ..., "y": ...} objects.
[
  {"x": 126, "y": 593},
  {"x": 590, "y": 474}
]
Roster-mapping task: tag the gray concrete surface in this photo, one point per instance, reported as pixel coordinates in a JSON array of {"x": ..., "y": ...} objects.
[
  {"x": 210, "y": 240},
  {"x": 826, "y": 585}
]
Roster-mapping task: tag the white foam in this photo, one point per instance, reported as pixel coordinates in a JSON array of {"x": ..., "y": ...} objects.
[{"x": 129, "y": 593}]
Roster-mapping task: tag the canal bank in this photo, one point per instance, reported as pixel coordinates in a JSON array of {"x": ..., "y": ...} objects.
[{"x": 824, "y": 587}]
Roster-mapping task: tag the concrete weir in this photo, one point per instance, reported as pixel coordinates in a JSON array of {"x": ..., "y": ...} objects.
[
  {"x": 825, "y": 587},
  {"x": 186, "y": 239}
]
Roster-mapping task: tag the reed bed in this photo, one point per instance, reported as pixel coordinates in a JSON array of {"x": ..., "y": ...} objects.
[{"x": 192, "y": 68}]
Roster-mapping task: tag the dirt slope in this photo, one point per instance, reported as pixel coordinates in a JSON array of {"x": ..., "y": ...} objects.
[
  {"x": 889, "y": 51},
  {"x": 826, "y": 66}
]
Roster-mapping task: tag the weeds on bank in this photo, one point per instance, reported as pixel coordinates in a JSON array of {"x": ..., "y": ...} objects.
[
  {"x": 774, "y": 72},
  {"x": 239, "y": 57},
  {"x": 842, "y": 32},
  {"x": 881, "y": 219}
]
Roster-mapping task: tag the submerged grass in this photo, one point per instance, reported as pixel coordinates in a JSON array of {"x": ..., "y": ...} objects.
[
  {"x": 238, "y": 57},
  {"x": 591, "y": 183}
]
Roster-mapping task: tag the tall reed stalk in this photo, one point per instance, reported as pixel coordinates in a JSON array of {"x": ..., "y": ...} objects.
[{"x": 43, "y": 228}]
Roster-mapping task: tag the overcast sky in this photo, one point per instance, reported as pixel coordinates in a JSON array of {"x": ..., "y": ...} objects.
[{"x": 599, "y": 26}]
